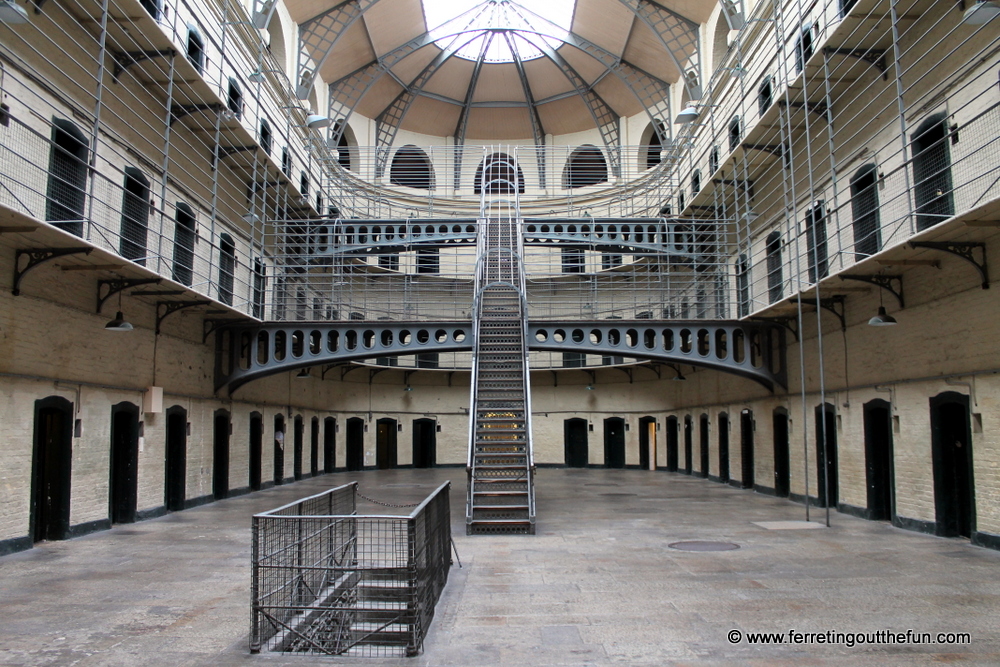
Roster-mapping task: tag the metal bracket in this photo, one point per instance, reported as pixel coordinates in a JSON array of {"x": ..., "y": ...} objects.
[
  {"x": 654, "y": 368},
  {"x": 874, "y": 57},
  {"x": 773, "y": 149},
  {"x": 178, "y": 111},
  {"x": 119, "y": 285},
  {"x": 965, "y": 250},
  {"x": 222, "y": 152},
  {"x": 819, "y": 108},
  {"x": 125, "y": 59},
  {"x": 746, "y": 184},
  {"x": 885, "y": 282},
  {"x": 677, "y": 369},
  {"x": 626, "y": 371},
  {"x": 211, "y": 325},
  {"x": 831, "y": 304},
  {"x": 38, "y": 256},
  {"x": 171, "y": 307},
  {"x": 782, "y": 321}
]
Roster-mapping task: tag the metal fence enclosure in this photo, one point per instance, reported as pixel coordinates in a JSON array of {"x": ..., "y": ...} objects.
[{"x": 328, "y": 581}]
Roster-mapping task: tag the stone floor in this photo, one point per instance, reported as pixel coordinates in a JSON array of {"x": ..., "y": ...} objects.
[{"x": 598, "y": 584}]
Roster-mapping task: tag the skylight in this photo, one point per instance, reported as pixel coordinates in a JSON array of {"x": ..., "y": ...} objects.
[{"x": 472, "y": 25}]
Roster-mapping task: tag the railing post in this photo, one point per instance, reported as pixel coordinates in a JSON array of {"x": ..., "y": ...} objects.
[
  {"x": 255, "y": 585},
  {"x": 413, "y": 602}
]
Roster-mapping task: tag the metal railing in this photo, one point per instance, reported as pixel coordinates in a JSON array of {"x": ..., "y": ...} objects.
[{"x": 328, "y": 581}]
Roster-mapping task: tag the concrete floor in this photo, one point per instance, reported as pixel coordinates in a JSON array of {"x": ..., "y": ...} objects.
[{"x": 598, "y": 584}]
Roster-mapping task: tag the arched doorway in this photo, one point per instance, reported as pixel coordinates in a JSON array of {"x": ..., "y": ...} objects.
[
  {"x": 220, "y": 449},
  {"x": 385, "y": 443},
  {"x": 614, "y": 442},
  {"x": 329, "y": 444},
  {"x": 424, "y": 443},
  {"x": 746, "y": 449},
  {"x": 50, "y": 469},
  {"x": 124, "y": 482},
  {"x": 355, "y": 443},
  {"x": 688, "y": 444},
  {"x": 782, "y": 473},
  {"x": 279, "y": 449},
  {"x": 878, "y": 459},
  {"x": 723, "y": 447},
  {"x": 703, "y": 443},
  {"x": 298, "y": 434},
  {"x": 175, "y": 465},
  {"x": 575, "y": 446},
  {"x": 826, "y": 456},
  {"x": 672, "y": 444},
  {"x": 256, "y": 447},
  {"x": 314, "y": 446},
  {"x": 647, "y": 442},
  {"x": 951, "y": 446}
]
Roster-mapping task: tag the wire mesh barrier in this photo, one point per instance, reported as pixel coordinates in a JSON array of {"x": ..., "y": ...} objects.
[{"x": 328, "y": 581}]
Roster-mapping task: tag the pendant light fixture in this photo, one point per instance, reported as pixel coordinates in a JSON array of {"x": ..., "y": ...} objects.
[{"x": 119, "y": 323}]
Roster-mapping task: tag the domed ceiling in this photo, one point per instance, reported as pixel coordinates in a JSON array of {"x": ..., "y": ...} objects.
[{"x": 489, "y": 70}]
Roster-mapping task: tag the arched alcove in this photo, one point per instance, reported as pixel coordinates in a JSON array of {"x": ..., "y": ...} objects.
[
  {"x": 412, "y": 168},
  {"x": 586, "y": 166}
]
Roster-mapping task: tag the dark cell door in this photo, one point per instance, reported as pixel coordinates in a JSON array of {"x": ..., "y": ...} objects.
[
  {"x": 614, "y": 442},
  {"x": 314, "y": 446},
  {"x": 746, "y": 449},
  {"x": 51, "y": 461},
  {"x": 175, "y": 466},
  {"x": 279, "y": 449},
  {"x": 385, "y": 443},
  {"x": 703, "y": 437},
  {"x": 575, "y": 442},
  {"x": 781, "y": 465},
  {"x": 256, "y": 447},
  {"x": 645, "y": 441},
  {"x": 672, "y": 444},
  {"x": 878, "y": 459},
  {"x": 220, "y": 450},
  {"x": 688, "y": 444},
  {"x": 124, "y": 462},
  {"x": 724, "y": 448},
  {"x": 951, "y": 445},
  {"x": 424, "y": 443},
  {"x": 329, "y": 444},
  {"x": 826, "y": 455},
  {"x": 355, "y": 443},
  {"x": 298, "y": 434}
]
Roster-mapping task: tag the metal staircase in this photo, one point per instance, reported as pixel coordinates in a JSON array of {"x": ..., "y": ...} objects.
[{"x": 501, "y": 492}]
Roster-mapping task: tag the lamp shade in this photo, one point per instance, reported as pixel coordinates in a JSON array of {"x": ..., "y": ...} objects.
[
  {"x": 12, "y": 13},
  {"x": 981, "y": 12},
  {"x": 118, "y": 324},
  {"x": 882, "y": 319},
  {"x": 315, "y": 121},
  {"x": 687, "y": 115}
]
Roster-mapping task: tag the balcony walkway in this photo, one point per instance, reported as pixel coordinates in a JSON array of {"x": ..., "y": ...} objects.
[{"x": 597, "y": 585}]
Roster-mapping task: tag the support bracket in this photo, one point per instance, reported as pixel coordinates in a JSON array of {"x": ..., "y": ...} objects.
[
  {"x": 125, "y": 59},
  {"x": 166, "y": 308},
  {"x": 834, "y": 304},
  {"x": 774, "y": 149},
  {"x": 38, "y": 256},
  {"x": 883, "y": 281},
  {"x": 222, "y": 152},
  {"x": 874, "y": 57},
  {"x": 655, "y": 368},
  {"x": 818, "y": 108},
  {"x": 211, "y": 325},
  {"x": 964, "y": 249},
  {"x": 783, "y": 321},
  {"x": 119, "y": 285},
  {"x": 178, "y": 111}
]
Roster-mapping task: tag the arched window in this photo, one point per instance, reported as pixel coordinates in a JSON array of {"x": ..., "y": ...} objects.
[
  {"x": 196, "y": 49},
  {"x": 695, "y": 183},
  {"x": 775, "y": 281},
  {"x": 681, "y": 203},
  {"x": 651, "y": 149},
  {"x": 259, "y": 287},
  {"x": 135, "y": 216},
  {"x": 713, "y": 160},
  {"x": 742, "y": 286},
  {"x": 67, "y": 185},
  {"x": 265, "y": 136},
  {"x": 276, "y": 40},
  {"x": 586, "y": 166},
  {"x": 227, "y": 268},
  {"x": 804, "y": 47},
  {"x": 412, "y": 168},
  {"x": 153, "y": 7},
  {"x": 816, "y": 242},
  {"x": 286, "y": 162},
  {"x": 735, "y": 132},
  {"x": 765, "y": 95},
  {"x": 666, "y": 211},
  {"x": 845, "y": 6},
  {"x": 184, "y": 236},
  {"x": 864, "y": 210},
  {"x": 572, "y": 260},
  {"x": 344, "y": 144},
  {"x": 720, "y": 44},
  {"x": 499, "y": 174},
  {"x": 304, "y": 184},
  {"x": 234, "y": 100},
  {"x": 428, "y": 260},
  {"x": 932, "y": 172}
]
